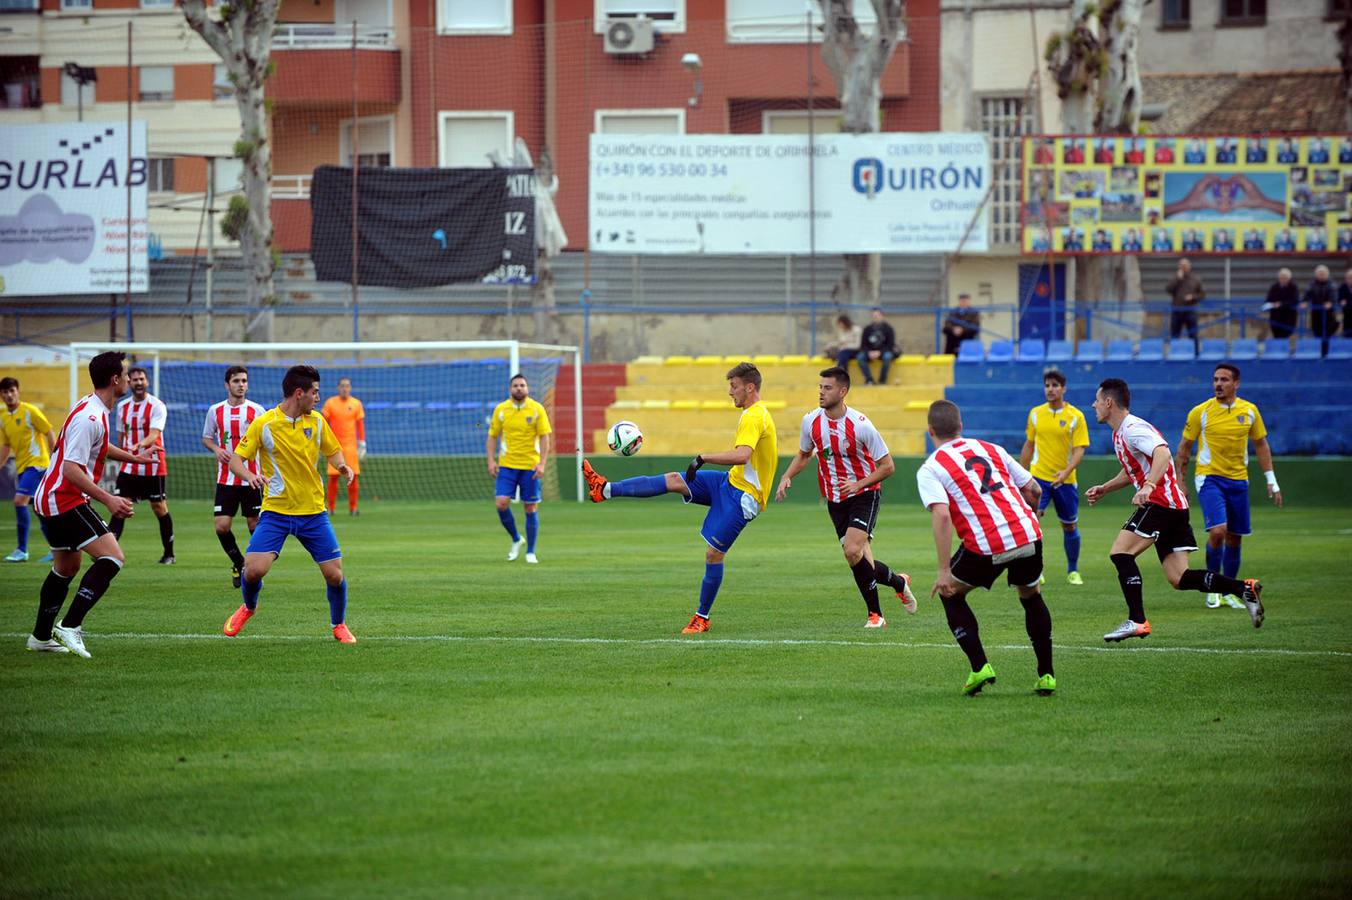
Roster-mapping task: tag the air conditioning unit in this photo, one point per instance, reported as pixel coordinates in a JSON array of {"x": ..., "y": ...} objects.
[{"x": 627, "y": 36}]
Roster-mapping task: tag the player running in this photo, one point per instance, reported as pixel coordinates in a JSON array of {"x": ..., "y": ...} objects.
[
  {"x": 70, "y": 523},
  {"x": 852, "y": 463},
  {"x": 25, "y": 432},
  {"x": 978, "y": 489},
  {"x": 1161, "y": 517},
  {"x": 1225, "y": 425},
  {"x": 225, "y": 426},
  {"x": 289, "y": 440},
  {"x": 734, "y": 497},
  {"x": 140, "y": 426},
  {"x": 518, "y": 450},
  {"x": 347, "y": 418},
  {"x": 1057, "y": 435}
]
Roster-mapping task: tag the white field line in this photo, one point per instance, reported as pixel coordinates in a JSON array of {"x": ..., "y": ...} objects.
[{"x": 701, "y": 643}]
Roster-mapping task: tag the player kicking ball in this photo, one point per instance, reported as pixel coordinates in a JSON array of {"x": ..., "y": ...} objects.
[
  {"x": 852, "y": 463},
  {"x": 288, "y": 441},
  {"x": 734, "y": 497}
]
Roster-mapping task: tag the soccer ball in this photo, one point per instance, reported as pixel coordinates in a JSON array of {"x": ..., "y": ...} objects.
[{"x": 624, "y": 439}]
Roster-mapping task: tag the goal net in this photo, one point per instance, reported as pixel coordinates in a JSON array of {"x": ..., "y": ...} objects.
[{"x": 427, "y": 406}]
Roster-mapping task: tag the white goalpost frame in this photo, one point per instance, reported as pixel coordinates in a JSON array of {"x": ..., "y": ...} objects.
[{"x": 513, "y": 348}]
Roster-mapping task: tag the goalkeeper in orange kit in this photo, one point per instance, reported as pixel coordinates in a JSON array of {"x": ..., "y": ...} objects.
[{"x": 347, "y": 419}]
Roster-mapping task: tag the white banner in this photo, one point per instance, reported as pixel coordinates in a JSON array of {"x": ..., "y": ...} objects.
[
  {"x": 886, "y": 193},
  {"x": 63, "y": 209}
]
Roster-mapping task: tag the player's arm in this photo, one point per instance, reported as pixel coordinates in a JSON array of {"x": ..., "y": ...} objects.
[
  {"x": 1264, "y": 453},
  {"x": 546, "y": 441},
  {"x": 884, "y": 471},
  {"x": 1076, "y": 457},
  {"x": 240, "y": 471},
  {"x": 338, "y": 462},
  {"x": 4, "y": 450},
  {"x": 1184, "y": 456},
  {"x": 491, "y": 448},
  {"x": 796, "y": 465},
  {"x": 152, "y": 435},
  {"x": 117, "y": 454},
  {"x": 332, "y": 451},
  {"x": 1099, "y": 491},
  {"x": 120, "y": 507},
  {"x": 1026, "y": 454},
  {"x": 209, "y": 441},
  {"x": 942, "y": 526}
]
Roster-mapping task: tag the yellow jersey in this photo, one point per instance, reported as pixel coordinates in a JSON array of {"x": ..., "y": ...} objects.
[
  {"x": 519, "y": 425},
  {"x": 22, "y": 430},
  {"x": 755, "y": 429},
  {"x": 1054, "y": 434},
  {"x": 288, "y": 452},
  {"x": 1222, "y": 434}
]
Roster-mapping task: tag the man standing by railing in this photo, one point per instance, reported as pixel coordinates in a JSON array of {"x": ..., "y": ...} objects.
[{"x": 1185, "y": 291}]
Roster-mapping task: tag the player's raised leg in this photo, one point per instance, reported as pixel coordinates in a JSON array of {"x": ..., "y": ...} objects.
[
  {"x": 1249, "y": 590},
  {"x": 601, "y": 489}
]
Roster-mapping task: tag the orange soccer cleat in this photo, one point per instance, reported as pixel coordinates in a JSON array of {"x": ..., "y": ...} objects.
[
  {"x": 342, "y": 635},
  {"x": 596, "y": 483},
  {"x": 697, "y": 625},
  {"x": 235, "y": 624}
]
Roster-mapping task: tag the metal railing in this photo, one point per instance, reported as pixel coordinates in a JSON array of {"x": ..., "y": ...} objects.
[
  {"x": 331, "y": 36},
  {"x": 291, "y": 187}
]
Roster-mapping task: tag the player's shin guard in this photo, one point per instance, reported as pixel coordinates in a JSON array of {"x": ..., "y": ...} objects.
[
  {"x": 250, "y": 591},
  {"x": 51, "y": 598},
  {"x": 1129, "y": 576},
  {"x": 509, "y": 522},
  {"x": 1214, "y": 557},
  {"x": 962, "y": 622},
  {"x": 639, "y": 486},
  {"x": 92, "y": 587},
  {"x": 115, "y": 525},
  {"x": 22, "y": 517},
  {"x": 1230, "y": 557},
  {"x": 338, "y": 603},
  {"x": 866, "y": 580},
  {"x": 1071, "y": 541},
  {"x": 1037, "y": 619},
  {"x": 1209, "y": 582},
  {"x": 231, "y": 548},
  {"x": 532, "y": 530},
  {"x": 167, "y": 533},
  {"x": 708, "y": 588}
]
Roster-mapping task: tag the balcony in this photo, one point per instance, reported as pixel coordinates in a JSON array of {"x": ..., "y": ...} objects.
[
  {"x": 317, "y": 65},
  {"x": 332, "y": 36}
]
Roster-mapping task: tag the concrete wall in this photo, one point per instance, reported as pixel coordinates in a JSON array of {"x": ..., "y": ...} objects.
[{"x": 1296, "y": 36}]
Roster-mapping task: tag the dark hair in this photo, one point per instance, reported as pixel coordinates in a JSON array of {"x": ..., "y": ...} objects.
[
  {"x": 8, "y": 382},
  {"x": 105, "y": 367},
  {"x": 747, "y": 372},
  {"x": 134, "y": 369},
  {"x": 1054, "y": 375},
  {"x": 233, "y": 371},
  {"x": 944, "y": 419},
  {"x": 516, "y": 376},
  {"x": 1229, "y": 367},
  {"x": 842, "y": 376},
  {"x": 1116, "y": 390},
  {"x": 299, "y": 378},
  {"x": 844, "y": 320}
]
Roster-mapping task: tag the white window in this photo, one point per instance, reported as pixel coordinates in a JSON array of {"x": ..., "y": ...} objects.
[
  {"x": 160, "y": 175},
  {"x": 229, "y": 175},
  {"x": 640, "y": 121},
  {"x": 157, "y": 4},
  {"x": 157, "y": 84},
  {"x": 77, "y": 4},
  {"x": 795, "y": 121},
  {"x": 375, "y": 140},
  {"x": 667, "y": 15},
  {"x": 785, "y": 21},
  {"x": 474, "y": 16},
  {"x": 72, "y": 94},
  {"x": 465, "y": 139},
  {"x": 222, "y": 88},
  {"x": 1006, "y": 120}
]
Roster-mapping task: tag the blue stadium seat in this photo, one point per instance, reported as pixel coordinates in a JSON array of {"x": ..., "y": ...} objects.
[
  {"x": 1182, "y": 350},
  {"x": 1000, "y": 351},
  {"x": 1032, "y": 350},
  {"x": 1340, "y": 348},
  {"x": 1213, "y": 350},
  {"x": 1089, "y": 351},
  {"x": 377, "y": 404},
  {"x": 1276, "y": 348},
  {"x": 439, "y": 405},
  {"x": 1308, "y": 348},
  {"x": 1244, "y": 349},
  {"x": 1120, "y": 351},
  {"x": 1060, "y": 351},
  {"x": 971, "y": 352},
  {"x": 408, "y": 404},
  {"x": 1151, "y": 350}
]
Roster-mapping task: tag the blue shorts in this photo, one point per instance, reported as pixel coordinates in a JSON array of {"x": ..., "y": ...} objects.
[
  {"x": 509, "y": 480},
  {"x": 315, "y": 534},
  {"x": 730, "y": 508},
  {"x": 1066, "y": 498},
  {"x": 1224, "y": 501},
  {"x": 28, "y": 480}
]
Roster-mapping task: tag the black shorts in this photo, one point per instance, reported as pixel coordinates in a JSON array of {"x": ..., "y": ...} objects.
[
  {"x": 73, "y": 529},
  {"x": 859, "y": 511},
  {"x": 139, "y": 487},
  {"x": 1168, "y": 528},
  {"x": 980, "y": 570},
  {"x": 234, "y": 498}
]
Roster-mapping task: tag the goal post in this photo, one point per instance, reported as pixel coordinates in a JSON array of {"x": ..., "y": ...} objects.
[{"x": 427, "y": 404}]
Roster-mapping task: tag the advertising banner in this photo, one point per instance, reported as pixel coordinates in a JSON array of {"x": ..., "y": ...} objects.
[
  {"x": 63, "y": 209},
  {"x": 886, "y": 193},
  {"x": 1181, "y": 194}
]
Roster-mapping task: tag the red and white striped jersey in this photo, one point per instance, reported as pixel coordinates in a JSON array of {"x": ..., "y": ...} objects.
[
  {"x": 1134, "y": 442},
  {"x": 83, "y": 441},
  {"x": 135, "y": 418},
  {"x": 979, "y": 481},
  {"x": 225, "y": 426},
  {"x": 847, "y": 449}
]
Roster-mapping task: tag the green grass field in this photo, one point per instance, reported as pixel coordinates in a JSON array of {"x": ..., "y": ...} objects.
[{"x": 505, "y": 730}]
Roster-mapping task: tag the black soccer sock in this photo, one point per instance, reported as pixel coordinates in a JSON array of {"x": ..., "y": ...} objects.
[
  {"x": 92, "y": 587},
  {"x": 868, "y": 587},
  {"x": 167, "y": 533},
  {"x": 962, "y": 622},
  {"x": 231, "y": 548},
  {"x": 115, "y": 525},
  {"x": 885, "y": 575},
  {"x": 1037, "y": 619},
  {"x": 1210, "y": 582},
  {"x": 50, "y": 599},
  {"x": 1129, "y": 576}
]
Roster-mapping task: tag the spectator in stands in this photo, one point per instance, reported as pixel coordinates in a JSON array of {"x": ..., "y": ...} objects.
[
  {"x": 846, "y": 345},
  {"x": 1283, "y": 304},
  {"x": 879, "y": 342},
  {"x": 1321, "y": 298},
  {"x": 1185, "y": 290},
  {"x": 961, "y": 324}
]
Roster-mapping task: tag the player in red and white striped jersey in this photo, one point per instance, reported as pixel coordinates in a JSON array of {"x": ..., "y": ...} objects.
[
  {"x": 852, "y": 463},
  {"x": 1161, "y": 516},
  {"x": 140, "y": 423},
  {"x": 69, "y": 522},
  {"x": 224, "y": 428},
  {"x": 978, "y": 489}
]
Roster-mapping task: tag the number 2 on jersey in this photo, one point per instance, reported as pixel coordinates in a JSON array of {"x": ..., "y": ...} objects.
[{"x": 984, "y": 465}]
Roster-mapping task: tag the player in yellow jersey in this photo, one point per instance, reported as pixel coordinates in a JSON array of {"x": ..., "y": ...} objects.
[
  {"x": 1057, "y": 436},
  {"x": 1222, "y": 428},
  {"x": 518, "y": 449},
  {"x": 288, "y": 441},
  {"x": 26, "y": 433},
  {"x": 734, "y": 498}
]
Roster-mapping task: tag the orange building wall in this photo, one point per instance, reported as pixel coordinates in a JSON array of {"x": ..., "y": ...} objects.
[{"x": 306, "y": 11}]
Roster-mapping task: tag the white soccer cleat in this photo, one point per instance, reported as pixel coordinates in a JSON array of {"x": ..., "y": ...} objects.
[
  {"x": 1128, "y": 629},
  {"x": 875, "y": 621},
  {"x": 908, "y": 601},
  {"x": 1213, "y": 601},
  {"x": 47, "y": 646},
  {"x": 517, "y": 547},
  {"x": 532, "y": 559},
  {"x": 1233, "y": 602},
  {"x": 72, "y": 638}
]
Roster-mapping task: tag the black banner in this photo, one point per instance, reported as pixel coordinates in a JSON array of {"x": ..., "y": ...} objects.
[{"x": 424, "y": 227}]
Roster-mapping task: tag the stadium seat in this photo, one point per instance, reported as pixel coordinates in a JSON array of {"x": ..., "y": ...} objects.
[
  {"x": 715, "y": 405},
  {"x": 1340, "y": 348},
  {"x": 1032, "y": 350},
  {"x": 1213, "y": 350},
  {"x": 1182, "y": 350},
  {"x": 775, "y": 404},
  {"x": 970, "y": 352},
  {"x": 377, "y": 404},
  {"x": 1089, "y": 351},
  {"x": 655, "y": 404},
  {"x": 618, "y": 404},
  {"x": 1277, "y": 348},
  {"x": 942, "y": 358},
  {"x": 1308, "y": 348},
  {"x": 440, "y": 406},
  {"x": 799, "y": 359},
  {"x": 1244, "y": 348},
  {"x": 678, "y": 360},
  {"x": 408, "y": 404},
  {"x": 648, "y": 361},
  {"x": 1120, "y": 351},
  {"x": 1000, "y": 351},
  {"x": 1060, "y": 351},
  {"x": 918, "y": 405},
  {"x": 767, "y": 359},
  {"x": 685, "y": 404},
  {"x": 708, "y": 360},
  {"x": 1150, "y": 350}
]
